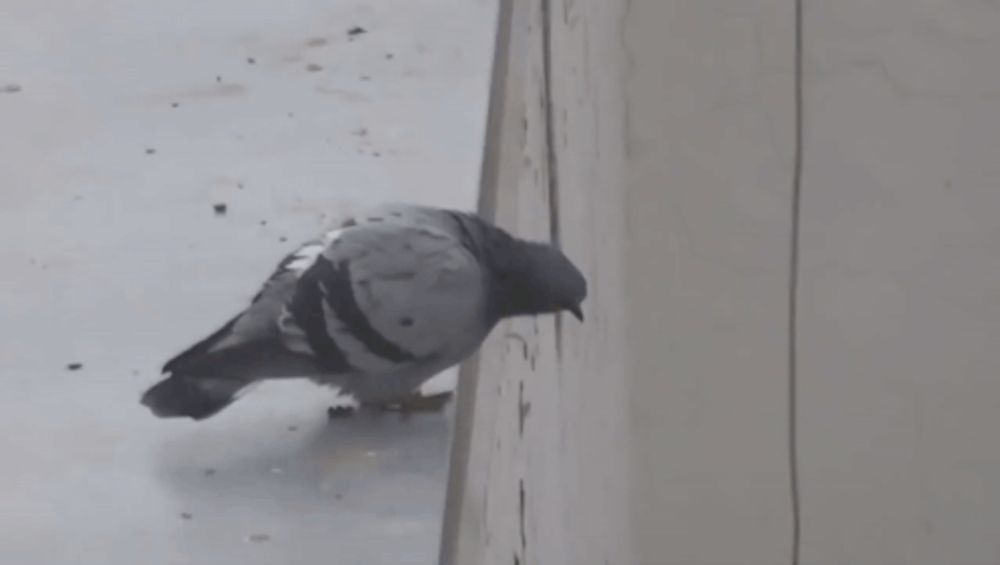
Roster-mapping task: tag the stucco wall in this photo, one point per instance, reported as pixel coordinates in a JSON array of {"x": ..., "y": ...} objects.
[
  {"x": 658, "y": 432},
  {"x": 710, "y": 137},
  {"x": 900, "y": 368}
]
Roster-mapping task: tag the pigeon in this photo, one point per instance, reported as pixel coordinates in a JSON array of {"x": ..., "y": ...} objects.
[{"x": 375, "y": 307}]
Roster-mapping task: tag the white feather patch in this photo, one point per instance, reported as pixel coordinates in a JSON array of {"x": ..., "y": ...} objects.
[
  {"x": 305, "y": 257},
  {"x": 291, "y": 334},
  {"x": 331, "y": 235}
]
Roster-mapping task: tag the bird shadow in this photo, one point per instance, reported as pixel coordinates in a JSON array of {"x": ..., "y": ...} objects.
[{"x": 370, "y": 462}]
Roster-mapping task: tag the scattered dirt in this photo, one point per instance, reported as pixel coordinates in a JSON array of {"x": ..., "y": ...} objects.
[
  {"x": 251, "y": 60},
  {"x": 186, "y": 516},
  {"x": 314, "y": 68},
  {"x": 389, "y": 56},
  {"x": 150, "y": 151},
  {"x": 11, "y": 88},
  {"x": 293, "y": 428},
  {"x": 209, "y": 472},
  {"x": 258, "y": 538},
  {"x": 316, "y": 42},
  {"x": 175, "y": 104}
]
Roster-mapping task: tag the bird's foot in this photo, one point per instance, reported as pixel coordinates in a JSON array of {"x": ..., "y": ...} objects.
[{"x": 415, "y": 403}]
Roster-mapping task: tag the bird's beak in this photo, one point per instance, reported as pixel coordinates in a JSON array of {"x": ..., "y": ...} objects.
[{"x": 577, "y": 312}]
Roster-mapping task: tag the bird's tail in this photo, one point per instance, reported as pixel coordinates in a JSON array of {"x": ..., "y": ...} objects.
[{"x": 189, "y": 396}]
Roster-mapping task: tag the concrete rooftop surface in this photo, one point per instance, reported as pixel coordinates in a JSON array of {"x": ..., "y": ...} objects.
[{"x": 158, "y": 159}]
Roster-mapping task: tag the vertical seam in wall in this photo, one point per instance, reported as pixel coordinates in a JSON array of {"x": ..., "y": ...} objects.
[
  {"x": 550, "y": 146},
  {"x": 793, "y": 298}
]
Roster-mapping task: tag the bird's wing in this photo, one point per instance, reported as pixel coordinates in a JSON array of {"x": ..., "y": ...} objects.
[
  {"x": 384, "y": 294},
  {"x": 258, "y": 320},
  {"x": 281, "y": 308}
]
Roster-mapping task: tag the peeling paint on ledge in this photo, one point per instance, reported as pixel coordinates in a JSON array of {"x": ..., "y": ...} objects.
[{"x": 540, "y": 445}]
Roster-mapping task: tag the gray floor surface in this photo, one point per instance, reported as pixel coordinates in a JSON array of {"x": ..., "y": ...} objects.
[{"x": 122, "y": 126}]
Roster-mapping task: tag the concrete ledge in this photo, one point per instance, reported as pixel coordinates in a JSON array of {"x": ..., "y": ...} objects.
[{"x": 540, "y": 445}]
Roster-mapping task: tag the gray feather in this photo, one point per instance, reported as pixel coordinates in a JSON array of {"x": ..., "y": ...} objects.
[{"x": 375, "y": 306}]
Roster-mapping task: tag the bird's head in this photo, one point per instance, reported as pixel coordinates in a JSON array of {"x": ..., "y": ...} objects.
[
  {"x": 524, "y": 277},
  {"x": 535, "y": 278}
]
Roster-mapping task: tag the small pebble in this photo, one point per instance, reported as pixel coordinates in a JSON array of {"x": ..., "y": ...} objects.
[
  {"x": 220, "y": 209},
  {"x": 74, "y": 366},
  {"x": 186, "y": 515},
  {"x": 209, "y": 472},
  {"x": 258, "y": 538},
  {"x": 293, "y": 428},
  {"x": 11, "y": 88},
  {"x": 356, "y": 30},
  {"x": 389, "y": 56},
  {"x": 251, "y": 60},
  {"x": 218, "y": 78},
  {"x": 150, "y": 151},
  {"x": 313, "y": 68},
  {"x": 175, "y": 104}
]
